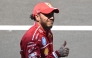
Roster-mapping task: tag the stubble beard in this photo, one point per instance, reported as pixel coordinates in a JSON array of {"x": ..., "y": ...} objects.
[{"x": 45, "y": 26}]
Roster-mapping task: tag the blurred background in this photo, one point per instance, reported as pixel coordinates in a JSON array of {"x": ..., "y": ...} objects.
[{"x": 72, "y": 13}]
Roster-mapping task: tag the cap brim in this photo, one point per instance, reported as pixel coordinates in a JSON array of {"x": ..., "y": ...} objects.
[{"x": 49, "y": 10}]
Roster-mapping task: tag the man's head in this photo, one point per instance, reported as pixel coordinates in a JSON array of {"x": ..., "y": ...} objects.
[{"x": 43, "y": 13}]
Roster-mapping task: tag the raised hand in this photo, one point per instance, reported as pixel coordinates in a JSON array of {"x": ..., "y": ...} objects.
[{"x": 63, "y": 51}]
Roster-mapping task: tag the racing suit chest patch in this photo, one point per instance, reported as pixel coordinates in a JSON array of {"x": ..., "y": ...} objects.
[{"x": 44, "y": 41}]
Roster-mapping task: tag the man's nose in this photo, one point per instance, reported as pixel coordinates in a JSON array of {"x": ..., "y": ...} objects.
[{"x": 51, "y": 18}]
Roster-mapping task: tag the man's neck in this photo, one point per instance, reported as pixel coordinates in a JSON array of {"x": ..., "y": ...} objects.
[{"x": 44, "y": 28}]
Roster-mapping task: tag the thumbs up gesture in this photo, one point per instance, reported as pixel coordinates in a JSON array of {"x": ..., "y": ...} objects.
[{"x": 63, "y": 51}]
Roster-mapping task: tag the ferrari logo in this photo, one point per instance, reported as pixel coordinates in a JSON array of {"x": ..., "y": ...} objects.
[
  {"x": 49, "y": 5},
  {"x": 50, "y": 35}
]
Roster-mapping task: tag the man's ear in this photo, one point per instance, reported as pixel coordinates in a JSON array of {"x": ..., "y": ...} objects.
[{"x": 37, "y": 18}]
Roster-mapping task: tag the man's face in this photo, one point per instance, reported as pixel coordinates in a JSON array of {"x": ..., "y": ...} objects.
[{"x": 47, "y": 20}]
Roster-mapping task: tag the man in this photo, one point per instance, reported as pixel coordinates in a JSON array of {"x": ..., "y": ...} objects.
[{"x": 37, "y": 42}]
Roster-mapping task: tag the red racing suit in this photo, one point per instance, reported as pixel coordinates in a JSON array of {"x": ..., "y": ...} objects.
[{"x": 37, "y": 43}]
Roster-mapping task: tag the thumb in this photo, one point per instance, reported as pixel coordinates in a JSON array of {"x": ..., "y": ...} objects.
[{"x": 64, "y": 44}]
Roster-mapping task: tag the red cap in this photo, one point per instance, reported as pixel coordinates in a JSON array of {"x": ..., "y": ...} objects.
[{"x": 44, "y": 7}]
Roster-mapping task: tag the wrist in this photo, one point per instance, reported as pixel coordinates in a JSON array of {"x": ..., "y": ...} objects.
[{"x": 55, "y": 54}]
